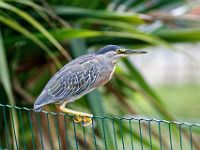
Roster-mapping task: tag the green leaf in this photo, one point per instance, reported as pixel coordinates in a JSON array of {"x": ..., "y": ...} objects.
[
  {"x": 4, "y": 73},
  {"x": 37, "y": 25},
  {"x": 6, "y": 82},
  {"x": 83, "y": 33},
  {"x": 114, "y": 23},
  {"x": 139, "y": 36},
  {"x": 64, "y": 34},
  {"x": 82, "y": 13},
  {"x": 180, "y": 35},
  {"x": 39, "y": 9},
  {"x": 16, "y": 26}
]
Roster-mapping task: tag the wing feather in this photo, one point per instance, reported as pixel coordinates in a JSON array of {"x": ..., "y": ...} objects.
[{"x": 69, "y": 83}]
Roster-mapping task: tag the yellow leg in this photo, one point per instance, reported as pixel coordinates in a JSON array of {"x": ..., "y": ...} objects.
[{"x": 79, "y": 116}]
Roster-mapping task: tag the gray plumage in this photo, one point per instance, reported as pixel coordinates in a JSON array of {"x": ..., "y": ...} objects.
[{"x": 79, "y": 77}]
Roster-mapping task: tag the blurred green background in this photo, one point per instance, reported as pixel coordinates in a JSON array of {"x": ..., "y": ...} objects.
[{"x": 37, "y": 37}]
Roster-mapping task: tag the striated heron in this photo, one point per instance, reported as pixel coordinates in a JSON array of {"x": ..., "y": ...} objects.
[{"x": 79, "y": 77}]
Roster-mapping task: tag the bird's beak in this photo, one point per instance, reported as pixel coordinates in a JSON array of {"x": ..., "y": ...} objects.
[{"x": 129, "y": 52}]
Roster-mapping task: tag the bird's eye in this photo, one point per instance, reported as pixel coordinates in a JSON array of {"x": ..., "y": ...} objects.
[{"x": 120, "y": 51}]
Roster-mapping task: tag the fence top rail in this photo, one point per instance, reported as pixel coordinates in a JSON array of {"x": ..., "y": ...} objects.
[{"x": 133, "y": 118}]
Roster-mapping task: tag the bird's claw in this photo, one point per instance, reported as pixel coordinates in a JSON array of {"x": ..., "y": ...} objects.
[
  {"x": 78, "y": 119},
  {"x": 87, "y": 120}
]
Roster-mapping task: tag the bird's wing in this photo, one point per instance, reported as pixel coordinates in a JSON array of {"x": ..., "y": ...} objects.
[
  {"x": 81, "y": 60},
  {"x": 73, "y": 82},
  {"x": 68, "y": 83}
]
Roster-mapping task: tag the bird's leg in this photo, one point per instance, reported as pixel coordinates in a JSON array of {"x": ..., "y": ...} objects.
[{"x": 79, "y": 116}]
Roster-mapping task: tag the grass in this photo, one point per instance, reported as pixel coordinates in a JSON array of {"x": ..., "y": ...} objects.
[{"x": 181, "y": 101}]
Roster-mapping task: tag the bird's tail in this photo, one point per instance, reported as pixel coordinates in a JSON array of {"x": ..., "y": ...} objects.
[{"x": 41, "y": 101}]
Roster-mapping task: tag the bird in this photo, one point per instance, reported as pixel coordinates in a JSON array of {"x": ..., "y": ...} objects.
[{"x": 79, "y": 77}]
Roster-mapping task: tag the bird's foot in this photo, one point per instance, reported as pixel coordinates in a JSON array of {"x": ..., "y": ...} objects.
[{"x": 86, "y": 119}]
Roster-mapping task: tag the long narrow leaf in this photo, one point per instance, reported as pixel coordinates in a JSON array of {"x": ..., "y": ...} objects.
[
  {"x": 81, "y": 12},
  {"x": 114, "y": 23},
  {"x": 37, "y": 25},
  {"x": 63, "y": 34},
  {"x": 180, "y": 35},
  {"x": 82, "y": 33},
  {"x": 5, "y": 79},
  {"x": 16, "y": 26},
  {"x": 39, "y": 9}
]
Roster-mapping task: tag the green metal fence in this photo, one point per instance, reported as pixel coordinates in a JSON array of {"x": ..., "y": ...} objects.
[{"x": 48, "y": 130}]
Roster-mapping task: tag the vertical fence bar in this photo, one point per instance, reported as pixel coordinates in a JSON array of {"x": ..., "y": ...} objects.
[
  {"x": 149, "y": 128},
  {"x": 40, "y": 131},
  {"x": 66, "y": 131},
  {"x": 57, "y": 131},
  {"x": 84, "y": 137},
  {"x": 30, "y": 123},
  {"x": 114, "y": 133},
  {"x": 180, "y": 136},
  {"x": 6, "y": 126},
  {"x": 49, "y": 132},
  {"x": 170, "y": 137},
  {"x": 13, "y": 127},
  {"x": 121, "y": 132},
  {"x": 191, "y": 140},
  {"x": 160, "y": 135},
  {"x": 104, "y": 135},
  {"x": 131, "y": 136},
  {"x": 22, "y": 128},
  {"x": 93, "y": 131},
  {"x": 141, "y": 140},
  {"x": 75, "y": 135}
]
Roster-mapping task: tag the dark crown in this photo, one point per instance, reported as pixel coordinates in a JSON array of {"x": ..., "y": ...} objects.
[{"x": 107, "y": 49}]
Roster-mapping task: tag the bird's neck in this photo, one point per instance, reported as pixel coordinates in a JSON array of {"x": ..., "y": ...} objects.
[{"x": 107, "y": 60}]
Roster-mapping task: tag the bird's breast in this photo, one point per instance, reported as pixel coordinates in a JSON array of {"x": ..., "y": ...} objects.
[{"x": 105, "y": 74}]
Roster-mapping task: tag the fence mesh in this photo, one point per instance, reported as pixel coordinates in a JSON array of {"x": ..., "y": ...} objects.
[{"x": 22, "y": 128}]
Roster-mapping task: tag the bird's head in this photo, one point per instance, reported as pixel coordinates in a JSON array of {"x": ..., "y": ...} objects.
[{"x": 115, "y": 52}]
